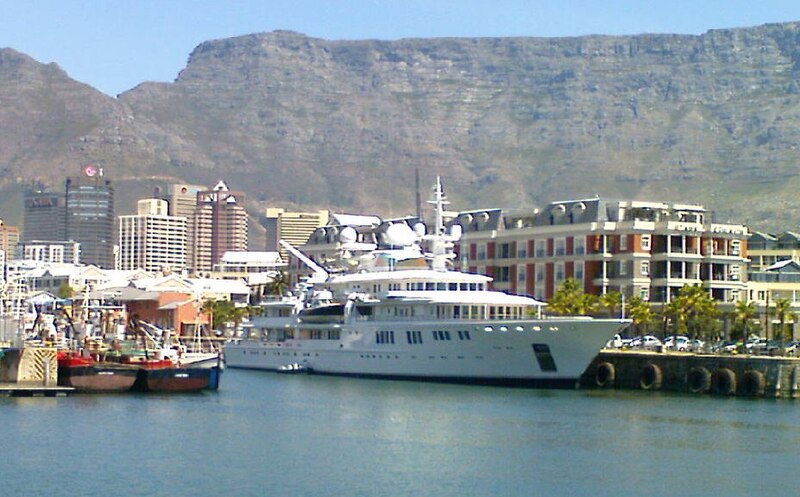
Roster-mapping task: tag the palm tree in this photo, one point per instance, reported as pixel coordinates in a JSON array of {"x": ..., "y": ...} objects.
[
  {"x": 570, "y": 299},
  {"x": 280, "y": 282},
  {"x": 641, "y": 314},
  {"x": 744, "y": 312},
  {"x": 611, "y": 301},
  {"x": 784, "y": 313}
]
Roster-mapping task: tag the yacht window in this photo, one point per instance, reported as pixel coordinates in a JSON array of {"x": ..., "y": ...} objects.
[
  {"x": 453, "y": 286},
  {"x": 464, "y": 286},
  {"x": 457, "y": 312},
  {"x": 441, "y": 286},
  {"x": 473, "y": 286},
  {"x": 430, "y": 286}
]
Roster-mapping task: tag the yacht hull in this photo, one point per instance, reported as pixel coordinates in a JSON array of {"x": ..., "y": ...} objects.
[{"x": 536, "y": 353}]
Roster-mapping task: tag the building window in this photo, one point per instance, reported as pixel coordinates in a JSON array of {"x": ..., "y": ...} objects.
[
  {"x": 481, "y": 252},
  {"x": 522, "y": 250},
  {"x": 579, "y": 270},
  {"x": 503, "y": 251},
  {"x": 502, "y": 274},
  {"x": 559, "y": 272},
  {"x": 561, "y": 244},
  {"x": 623, "y": 268},
  {"x": 521, "y": 274},
  {"x": 735, "y": 247},
  {"x": 623, "y": 242},
  {"x": 580, "y": 246},
  {"x": 541, "y": 248},
  {"x": 645, "y": 242},
  {"x": 540, "y": 273},
  {"x": 644, "y": 293},
  {"x": 645, "y": 268}
]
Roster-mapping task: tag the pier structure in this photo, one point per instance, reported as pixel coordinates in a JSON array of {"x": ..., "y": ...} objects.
[
  {"x": 700, "y": 374},
  {"x": 30, "y": 372}
]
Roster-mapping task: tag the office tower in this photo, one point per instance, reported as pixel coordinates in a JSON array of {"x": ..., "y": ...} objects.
[
  {"x": 152, "y": 240},
  {"x": 294, "y": 227},
  {"x": 89, "y": 216},
  {"x": 182, "y": 200},
  {"x": 220, "y": 225},
  {"x": 43, "y": 216}
]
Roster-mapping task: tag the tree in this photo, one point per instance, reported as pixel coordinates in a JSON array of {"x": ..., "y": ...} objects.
[
  {"x": 280, "y": 282},
  {"x": 65, "y": 291},
  {"x": 641, "y": 314},
  {"x": 693, "y": 312},
  {"x": 784, "y": 313},
  {"x": 611, "y": 302},
  {"x": 744, "y": 312},
  {"x": 570, "y": 299}
]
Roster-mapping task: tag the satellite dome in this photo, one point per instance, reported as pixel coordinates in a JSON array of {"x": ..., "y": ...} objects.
[
  {"x": 420, "y": 229},
  {"x": 348, "y": 235},
  {"x": 400, "y": 235}
]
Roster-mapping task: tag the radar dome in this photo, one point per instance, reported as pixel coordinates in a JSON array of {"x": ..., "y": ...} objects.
[
  {"x": 399, "y": 235},
  {"x": 348, "y": 235},
  {"x": 419, "y": 229}
]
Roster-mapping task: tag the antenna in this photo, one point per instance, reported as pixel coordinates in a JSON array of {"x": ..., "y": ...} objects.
[{"x": 419, "y": 201}]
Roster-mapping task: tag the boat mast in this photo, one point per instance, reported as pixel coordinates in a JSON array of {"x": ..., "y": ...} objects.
[{"x": 441, "y": 242}]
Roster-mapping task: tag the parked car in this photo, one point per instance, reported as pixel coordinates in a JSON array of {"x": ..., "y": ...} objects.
[
  {"x": 679, "y": 343},
  {"x": 792, "y": 348},
  {"x": 726, "y": 347},
  {"x": 697, "y": 345},
  {"x": 647, "y": 342},
  {"x": 762, "y": 346}
]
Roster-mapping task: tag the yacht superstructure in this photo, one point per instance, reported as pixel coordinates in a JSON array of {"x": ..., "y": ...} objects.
[{"x": 398, "y": 311}]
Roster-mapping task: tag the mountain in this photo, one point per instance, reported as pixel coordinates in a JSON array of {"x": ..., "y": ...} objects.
[{"x": 508, "y": 122}]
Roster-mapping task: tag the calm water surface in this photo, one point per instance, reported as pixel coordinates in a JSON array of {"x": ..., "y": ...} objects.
[{"x": 268, "y": 434}]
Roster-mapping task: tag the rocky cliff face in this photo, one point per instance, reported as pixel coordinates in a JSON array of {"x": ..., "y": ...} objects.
[{"x": 509, "y": 122}]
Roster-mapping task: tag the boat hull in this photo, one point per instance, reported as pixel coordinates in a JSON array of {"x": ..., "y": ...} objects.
[
  {"x": 174, "y": 379},
  {"x": 536, "y": 353},
  {"x": 98, "y": 377}
]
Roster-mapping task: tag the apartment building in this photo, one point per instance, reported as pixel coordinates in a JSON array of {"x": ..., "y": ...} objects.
[
  {"x": 152, "y": 240},
  {"x": 647, "y": 249}
]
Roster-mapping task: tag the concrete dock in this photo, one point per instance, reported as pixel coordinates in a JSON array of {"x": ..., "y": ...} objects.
[
  {"x": 30, "y": 372},
  {"x": 699, "y": 374}
]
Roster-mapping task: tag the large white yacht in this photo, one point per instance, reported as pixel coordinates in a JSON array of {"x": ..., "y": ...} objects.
[{"x": 400, "y": 312}]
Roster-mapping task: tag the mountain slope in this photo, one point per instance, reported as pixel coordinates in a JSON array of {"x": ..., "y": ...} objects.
[{"x": 510, "y": 122}]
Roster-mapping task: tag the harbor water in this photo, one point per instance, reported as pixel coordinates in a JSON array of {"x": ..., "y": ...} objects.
[{"x": 304, "y": 435}]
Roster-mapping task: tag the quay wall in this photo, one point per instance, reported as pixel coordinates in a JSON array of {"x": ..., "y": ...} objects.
[
  {"x": 698, "y": 374},
  {"x": 29, "y": 365}
]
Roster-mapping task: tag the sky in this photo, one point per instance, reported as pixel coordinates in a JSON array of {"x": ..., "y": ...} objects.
[{"x": 114, "y": 45}]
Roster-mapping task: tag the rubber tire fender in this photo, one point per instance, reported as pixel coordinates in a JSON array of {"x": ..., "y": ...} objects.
[
  {"x": 723, "y": 382},
  {"x": 753, "y": 383},
  {"x": 605, "y": 375},
  {"x": 698, "y": 380},
  {"x": 651, "y": 377}
]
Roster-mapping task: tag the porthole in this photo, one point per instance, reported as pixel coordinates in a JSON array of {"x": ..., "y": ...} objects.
[{"x": 488, "y": 329}]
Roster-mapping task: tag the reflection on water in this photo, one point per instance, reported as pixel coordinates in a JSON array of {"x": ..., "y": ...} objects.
[{"x": 265, "y": 434}]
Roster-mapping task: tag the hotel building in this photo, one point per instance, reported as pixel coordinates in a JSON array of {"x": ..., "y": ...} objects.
[
  {"x": 647, "y": 249},
  {"x": 220, "y": 226}
]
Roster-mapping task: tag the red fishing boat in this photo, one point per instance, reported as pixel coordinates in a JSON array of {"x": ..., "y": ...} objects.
[{"x": 87, "y": 374}]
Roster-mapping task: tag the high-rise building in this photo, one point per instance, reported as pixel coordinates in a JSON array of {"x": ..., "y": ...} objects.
[
  {"x": 182, "y": 200},
  {"x": 9, "y": 238},
  {"x": 89, "y": 216},
  {"x": 294, "y": 227},
  {"x": 152, "y": 240},
  {"x": 43, "y": 216},
  {"x": 220, "y": 226}
]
